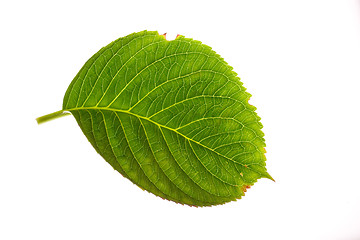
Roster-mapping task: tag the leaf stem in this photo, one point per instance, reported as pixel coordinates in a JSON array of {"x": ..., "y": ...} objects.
[{"x": 52, "y": 116}]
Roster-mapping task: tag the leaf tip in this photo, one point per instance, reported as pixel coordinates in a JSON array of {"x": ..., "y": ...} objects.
[{"x": 267, "y": 175}]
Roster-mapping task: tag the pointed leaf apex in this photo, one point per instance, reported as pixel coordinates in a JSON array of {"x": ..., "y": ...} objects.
[{"x": 267, "y": 175}]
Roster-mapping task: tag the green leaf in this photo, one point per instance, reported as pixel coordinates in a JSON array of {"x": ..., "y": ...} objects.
[{"x": 171, "y": 116}]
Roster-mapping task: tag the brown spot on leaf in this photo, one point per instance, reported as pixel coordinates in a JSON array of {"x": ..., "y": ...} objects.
[
  {"x": 164, "y": 35},
  {"x": 245, "y": 188}
]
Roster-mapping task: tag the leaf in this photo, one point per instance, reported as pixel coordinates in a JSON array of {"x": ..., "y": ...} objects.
[{"x": 171, "y": 116}]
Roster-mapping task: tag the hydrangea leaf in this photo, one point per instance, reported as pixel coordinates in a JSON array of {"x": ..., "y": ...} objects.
[{"x": 171, "y": 116}]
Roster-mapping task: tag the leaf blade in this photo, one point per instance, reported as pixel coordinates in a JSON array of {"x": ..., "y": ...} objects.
[{"x": 172, "y": 117}]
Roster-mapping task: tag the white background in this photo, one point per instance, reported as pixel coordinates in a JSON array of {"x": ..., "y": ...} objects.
[{"x": 299, "y": 59}]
